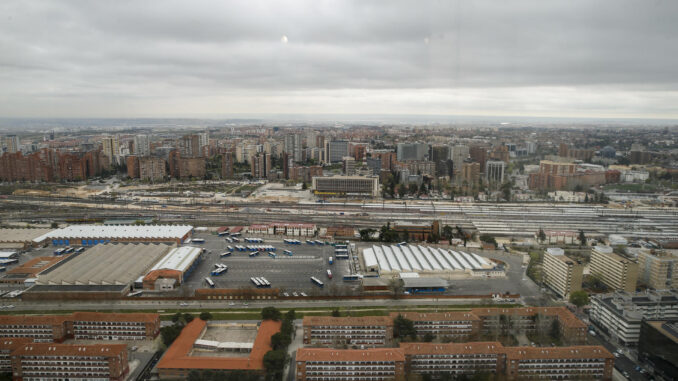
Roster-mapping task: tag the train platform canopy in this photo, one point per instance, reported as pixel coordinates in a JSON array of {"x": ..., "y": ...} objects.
[
  {"x": 129, "y": 233},
  {"x": 107, "y": 264},
  {"x": 421, "y": 259}
]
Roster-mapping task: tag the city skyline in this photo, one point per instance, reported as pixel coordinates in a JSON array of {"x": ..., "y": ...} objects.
[{"x": 610, "y": 60}]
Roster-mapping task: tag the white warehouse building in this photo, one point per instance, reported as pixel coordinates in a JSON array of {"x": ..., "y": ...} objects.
[{"x": 395, "y": 259}]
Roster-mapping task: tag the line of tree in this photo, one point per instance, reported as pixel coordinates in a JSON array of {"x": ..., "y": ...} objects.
[
  {"x": 171, "y": 332},
  {"x": 276, "y": 358}
]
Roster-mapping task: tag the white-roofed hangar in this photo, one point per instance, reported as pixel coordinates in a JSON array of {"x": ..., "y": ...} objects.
[
  {"x": 89, "y": 235},
  {"x": 426, "y": 260},
  {"x": 172, "y": 269},
  {"x": 103, "y": 271}
]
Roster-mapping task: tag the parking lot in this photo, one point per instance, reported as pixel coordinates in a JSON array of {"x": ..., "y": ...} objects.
[{"x": 288, "y": 273}]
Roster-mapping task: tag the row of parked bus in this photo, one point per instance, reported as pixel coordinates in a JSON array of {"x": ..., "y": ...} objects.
[
  {"x": 260, "y": 282},
  {"x": 68, "y": 250},
  {"x": 292, "y": 241},
  {"x": 316, "y": 242},
  {"x": 254, "y": 248},
  {"x": 253, "y": 240}
]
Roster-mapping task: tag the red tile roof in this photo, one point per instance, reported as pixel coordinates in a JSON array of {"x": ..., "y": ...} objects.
[
  {"x": 437, "y": 316},
  {"x": 12, "y": 343},
  {"x": 574, "y": 352},
  {"x": 178, "y": 354},
  {"x": 112, "y": 317},
  {"x": 450, "y": 348},
  {"x": 51, "y": 349},
  {"x": 33, "y": 319},
  {"x": 373, "y": 354},
  {"x": 348, "y": 321}
]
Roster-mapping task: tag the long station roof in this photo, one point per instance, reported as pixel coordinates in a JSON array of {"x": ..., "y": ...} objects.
[
  {"x": 417, "y": 258},
  {"x": 173, "y": 232}
]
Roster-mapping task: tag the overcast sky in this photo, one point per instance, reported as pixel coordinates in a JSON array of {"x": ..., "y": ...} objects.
[{"x": 588, "y": 58}]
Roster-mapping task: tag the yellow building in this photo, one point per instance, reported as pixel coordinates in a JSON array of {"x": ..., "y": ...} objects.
[
  {"x": 615, "y": 271},
  {"x": 561, "y": 273},
  {"x": 659, "y": 269}
]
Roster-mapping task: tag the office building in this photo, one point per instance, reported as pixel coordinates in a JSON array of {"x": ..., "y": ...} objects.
[
  {"x": 658, "y": 269},
  {"x": 346, "y": 185},
  {"x": 561, "y": 273},
  {"x": 470, "y": 174},
  {"x": 189, "y": 145},
  {"x": 615, "y": 271},
  {"x": 377, "y": 364},
  {"x": 293, "y": 146},
  {"x": 42, "y": 361},
  {"x": 335, "y": 150},
  {"x": 458, "y": 155},
  {"x": 478, "y": 154},
  {"x": 369, "y": 331},
  {"x": 620, "y": 314},
  {"x": 658, "y": 348},
  {"x": 494, "y": 171},
  {"x": 500, "y": 153},
  {"x": 142, "y": 145},
  {"x": 412, "y": 151}
]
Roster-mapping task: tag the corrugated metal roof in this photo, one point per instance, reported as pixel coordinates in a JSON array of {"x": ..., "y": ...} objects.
[{"x": 174, "y": 232}]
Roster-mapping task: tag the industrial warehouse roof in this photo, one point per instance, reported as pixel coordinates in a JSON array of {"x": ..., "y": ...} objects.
[
  {"x": 173, "y": 232},
  {"x": 180, "y": 259},
  {"x": 22, "y": 235},
  {"x": 110, "y": 264},
  {"x": 417, "y": 258}
]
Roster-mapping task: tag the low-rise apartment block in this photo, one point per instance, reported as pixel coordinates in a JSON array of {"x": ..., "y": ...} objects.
[
  {"x": 615, "y": 271},
  {"x": 81, "y": 325},
  {"x": 658, "y": 269},
  {"x": 530, "y": 319},
  {"x": 454, "y": 358},
  {"x": 556, "y": 363},
  {"x": 453, "y": 324},
  {"x": 561, "y": 273},
  {"x": 368, "y": 331},
  {"x": 321, "y": 364},
  {"x": 47, "y": 361},
  {"x": 7, "y": 346},
  {"x": 97, "y": 326},
  {"x": 620, "y": 314}
]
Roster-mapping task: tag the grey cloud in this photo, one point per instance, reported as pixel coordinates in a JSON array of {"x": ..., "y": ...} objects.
[{"x": 100, "y": 53}]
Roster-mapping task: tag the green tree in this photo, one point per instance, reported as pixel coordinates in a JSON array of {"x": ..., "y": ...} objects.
[
  {"x": 54, "y": 225},
  {"x": 205, "y": 316},
  {"x": 290, "y": 315},
  {"x": 579, "y": 298},
  {"x": 404, "y": 328},
  {"x": 554, "y": 332},
  {"x": 274, "y": 363},
  {"x": 336, "y": 313},
  {"x": 270, "y": 313},
  {"x": 488, "y": 239},
  {"x": 428, "y": 337},
  {"x": 582, "y": 237},
  {"x": 447, "y": 232},
  {"x": 187, "y": 317},
  {"x": 170, "y": 333},
  {"x": 541, "y": 236},
  {"x": 280, "y": 340},
  {"x": 304, "y": 186}
]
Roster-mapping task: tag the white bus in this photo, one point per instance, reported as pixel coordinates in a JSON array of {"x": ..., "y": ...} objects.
[
  {"x": 317, "y": 282},
  {"x": 198, "y": 241},
  {"x": 209, "y": 282}
]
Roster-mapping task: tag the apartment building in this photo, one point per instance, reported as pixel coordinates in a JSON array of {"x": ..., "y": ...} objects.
[
  {"x": 530, "y": 319},
  {"x": 323, "y": 364},
  {"x": 658, "y": 269},
  {"x": 44, "y": 361},
  {"x": 368, "y": 331},
  {"x": 577, "y": 362},
  {"x": 620, "y": 314},
  {"x": 41, "y": 329},
  {"x": 454, "y": 324},
  {"x": 81, "y": 325},
  {"x": 7, "y": 346},
  {"x": 615, "y": 271},
  {"x": 98, "y": 326},
  {"x": 454, "y": 358},
  {"x": 561, "y": 273}
]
